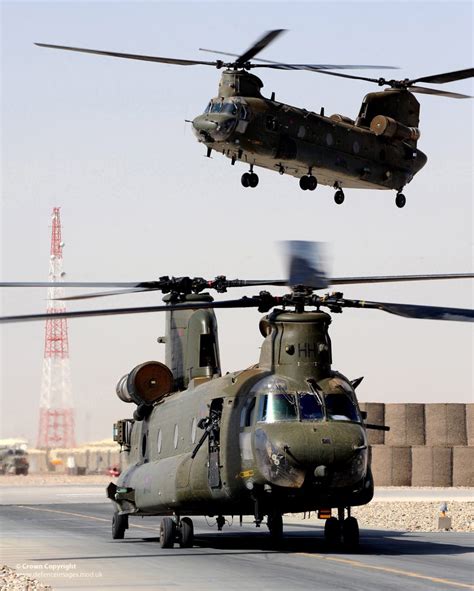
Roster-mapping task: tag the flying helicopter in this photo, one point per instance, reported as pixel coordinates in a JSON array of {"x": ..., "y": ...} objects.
[
  {"x": 284, "y": 435},
  {"x": 376, "y": 150}
]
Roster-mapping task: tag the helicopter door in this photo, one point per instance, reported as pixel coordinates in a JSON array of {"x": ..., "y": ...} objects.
[{"x": 214, "y": 477}]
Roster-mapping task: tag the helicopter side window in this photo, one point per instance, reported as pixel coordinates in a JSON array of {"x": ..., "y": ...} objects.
[
  {"x": 277, "y": 407},
  {"x": 340, "y": 407},
  {"x": 311, "y": 408}
]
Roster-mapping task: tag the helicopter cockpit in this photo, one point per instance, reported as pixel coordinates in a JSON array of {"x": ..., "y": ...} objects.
[
  {"x": 279, "y": 402},
  {"x": 228, "y": 107}
]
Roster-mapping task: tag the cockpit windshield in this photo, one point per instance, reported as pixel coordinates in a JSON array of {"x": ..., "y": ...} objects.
[
  {"x": 228, "y": 107},
  {"x": 277, "y": 407},
  {"x": 339, "y": 407}
]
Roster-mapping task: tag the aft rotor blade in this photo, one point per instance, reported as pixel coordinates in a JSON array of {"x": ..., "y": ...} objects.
[
  {"x": 254, "y": 302},
  {"x": 110, "y": 284},
  {"x": 414, "y": 311},
  {"x": 445, "y": 77},
  {"x": 258, "y": 46},
  {"x": 399, "y": 278},
  {"x": 435, "y": 91},
  {"x": 133, "y": 56}
]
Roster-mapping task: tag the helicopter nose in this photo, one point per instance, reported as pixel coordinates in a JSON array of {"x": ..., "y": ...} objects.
[{"x": 203, "y": 125}]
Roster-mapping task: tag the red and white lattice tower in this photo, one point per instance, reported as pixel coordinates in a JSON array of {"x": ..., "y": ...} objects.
[{"x": 56, "y": 425}]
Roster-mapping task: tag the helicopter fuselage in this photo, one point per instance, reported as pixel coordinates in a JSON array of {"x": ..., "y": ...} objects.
[
  {"x": 285, "y": 434},
  {"x": 339, "y": 151}
]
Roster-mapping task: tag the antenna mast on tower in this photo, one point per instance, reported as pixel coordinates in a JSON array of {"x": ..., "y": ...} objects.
[{"x": 56, "y": 424}]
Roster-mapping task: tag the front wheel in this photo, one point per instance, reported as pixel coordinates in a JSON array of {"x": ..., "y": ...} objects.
[
  {"x": 332, "y": 532},
  {"x": 350, "y": 533},
  {"x": 275, "y": 525},
  {"x": 119, "y": 525}
]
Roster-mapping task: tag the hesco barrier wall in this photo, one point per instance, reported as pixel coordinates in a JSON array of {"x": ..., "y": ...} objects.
[{"x": 427, "y": 445}]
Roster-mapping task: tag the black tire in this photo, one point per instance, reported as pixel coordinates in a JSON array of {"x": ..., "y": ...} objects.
[
  {"x": 400, "y": 200},
  {"x": 304, "y": 183},
  {"x": 245, "y": 180},
  {"x": 119, "y": 525},
  {"x": 312, "y": 183},
  {"x": 350, "y": 533},
  {"x": 332, "y": 532},
  {"x": 167, "y": 532},
  {"x": 339, "y": 197},
  {"x": 253, "y": 180},
  {"x": 187, "y": 533},
  {"x": 275, "y": 525}
]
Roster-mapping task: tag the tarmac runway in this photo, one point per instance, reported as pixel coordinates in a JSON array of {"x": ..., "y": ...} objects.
[{"x": 67, "y": 544}]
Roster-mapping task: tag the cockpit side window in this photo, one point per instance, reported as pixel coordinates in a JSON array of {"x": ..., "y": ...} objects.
[
  {"x": 248, "y": 413},
  {"x": 340, "y": 407},
  {"x": 208, "y": 108}
]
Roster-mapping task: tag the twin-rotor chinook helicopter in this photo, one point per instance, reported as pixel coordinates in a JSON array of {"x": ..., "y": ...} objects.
[
  {"x": 376, "y": 150},
  {"x": 284, "y": 435}
]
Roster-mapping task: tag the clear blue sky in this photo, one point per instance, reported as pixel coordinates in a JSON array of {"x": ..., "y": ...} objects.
[{"x": 106, "y": 140}]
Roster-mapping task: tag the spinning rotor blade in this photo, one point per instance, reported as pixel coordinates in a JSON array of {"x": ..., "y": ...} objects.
[
  {"x": 414, "y": 311},
  {"x": 263, "y": 302},
  {"x": 133, "y": 56},
  {"x": 283, "y": 66},
  {"x": 258, "y": 46},
  {"x": 398, "y": 278},
  {"x": 424, "y": 90},
  {"x": 446, "y": 77}
]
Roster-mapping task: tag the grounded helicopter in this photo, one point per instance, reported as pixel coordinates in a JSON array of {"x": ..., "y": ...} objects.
[
  {"x": 377, "y": 150},
  {"x": 285, "y": 435}
]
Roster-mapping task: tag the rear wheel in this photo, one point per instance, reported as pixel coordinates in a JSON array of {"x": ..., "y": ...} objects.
[
  {"x": 400, "y": 200},
  {"x": 304, "y": 183},
  {"x": 312, "y": 182},
  {"x": 253, "y": 180},
  {"x": 119, "y": 525},
  {"x": 187, "y": 533},
  {"x": 167, "y": 532},
  {"x": 339, "y": 197}
]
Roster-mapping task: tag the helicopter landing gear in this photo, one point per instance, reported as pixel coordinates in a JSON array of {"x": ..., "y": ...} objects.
[
  {"x": 249, "y": 179},
  {"x": 119, "y": 525},
  {"x": 275, "y": 526},
  {"x": 400, "y": 199},
  {"x": 308, "y": 182},
  {"x": 340, "y": 529},
  {"x": 167, "y": 532},
  {"x": 339, "y": 196}
]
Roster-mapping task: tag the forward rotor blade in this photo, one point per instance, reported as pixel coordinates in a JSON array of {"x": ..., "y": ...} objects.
[
  {"x": 258, "y": 46},
  {"x": 435, "y": 91},
  {"x": 103, "y": 294},
  {"x": 132, "y": 56},
  {"x": 264, "y": 303},
  {"x": 284, "y": 66},
  {"x": 414, "y": 311},
  {"x": 398, "y": 278},
  {"x": 446, "y": 77}
]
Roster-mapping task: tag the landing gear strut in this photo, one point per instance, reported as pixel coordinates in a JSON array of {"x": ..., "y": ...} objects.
[
  {"x": 340, "y": 529},
  {"x": 249, "y": 179}
]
